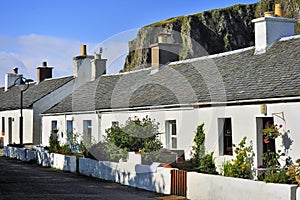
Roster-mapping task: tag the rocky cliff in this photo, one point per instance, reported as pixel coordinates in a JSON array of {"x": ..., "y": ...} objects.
[{"x": 208, "y": 32}]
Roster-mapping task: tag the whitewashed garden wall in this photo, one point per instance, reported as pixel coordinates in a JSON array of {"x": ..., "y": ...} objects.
[{"x": 158, "y": 179}]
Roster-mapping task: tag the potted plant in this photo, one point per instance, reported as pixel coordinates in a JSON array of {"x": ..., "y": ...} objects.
[
  {"x": 271, "y": 131},
  {"x": 297, "y": 171},
  {"x": 55, "y": 130}
]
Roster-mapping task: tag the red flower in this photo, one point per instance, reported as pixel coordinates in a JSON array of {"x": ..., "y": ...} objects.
[{"x": 280, "y": 126}]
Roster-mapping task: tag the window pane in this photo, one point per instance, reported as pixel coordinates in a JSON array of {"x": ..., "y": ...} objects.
[
  {"x": 227, "y": 134},
  {"x": 173, "y": 128},
  {"x": 174, "y": 143},
  {"x": 69, "y": 126},
  {"x": 54, "y": 125},
  {"x": 87, "y": 128}
]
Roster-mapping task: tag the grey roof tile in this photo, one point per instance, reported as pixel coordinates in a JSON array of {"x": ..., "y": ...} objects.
[
  {"x": 10, "y": 99},
  {"x": 239, "y": 76}
]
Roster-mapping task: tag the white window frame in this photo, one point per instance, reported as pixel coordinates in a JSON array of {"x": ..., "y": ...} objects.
[{"x": 171, "y": 127}]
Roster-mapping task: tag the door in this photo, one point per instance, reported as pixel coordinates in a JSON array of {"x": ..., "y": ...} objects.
[
  {"x": 10, "y": 130},
  {"x": 262, "y": 145}
]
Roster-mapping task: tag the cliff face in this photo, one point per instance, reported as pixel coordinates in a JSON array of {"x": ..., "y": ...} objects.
[{"x": 209, "y": 32}]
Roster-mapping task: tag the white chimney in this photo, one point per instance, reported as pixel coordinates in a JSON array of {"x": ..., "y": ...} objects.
[
  {"x": 98, "y": 66},
  {"x": 270, "y": 29},
  {"x": 10, "y": 78},
  {"x": 87, "y": 67}
]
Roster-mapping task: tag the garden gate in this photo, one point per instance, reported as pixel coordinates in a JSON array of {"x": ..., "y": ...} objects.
[{"x": 178, "y": 182}]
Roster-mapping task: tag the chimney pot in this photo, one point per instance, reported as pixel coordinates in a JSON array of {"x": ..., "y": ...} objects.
[
  {"x": 15, "y": 70},
  {"x": 83, "y": 50},
  {"x": 269, "y": 14},
  {"x": 278, "y": 10},
  {"x": 45, "y": 64}
]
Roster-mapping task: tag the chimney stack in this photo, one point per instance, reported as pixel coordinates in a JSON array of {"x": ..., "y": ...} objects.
[
  {"x": 44, "y": 72},
  {"x": 98, "y": 65},
  {"x": 278, "y": 10},
  {"x": 10, "y": 78},
  {"x": 164, "y": 51},
  {"x": 88, "y": 67},
  {"x": 270, "y": 29}
]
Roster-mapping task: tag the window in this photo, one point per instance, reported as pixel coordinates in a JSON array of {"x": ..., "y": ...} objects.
[
  {"x": 69, "y": 126},
  {"x": 225, "y": 131},
  {"x": 54, "y": 126},
  {"x": 69, "y": 129},
  {"x": 87, "y": 129},
  {"x": 171, "y": 134},
  {"x": 3, "y": 126}
]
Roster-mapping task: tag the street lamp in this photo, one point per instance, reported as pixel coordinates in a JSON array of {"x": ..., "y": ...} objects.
[{"x": 23, "y": 85}]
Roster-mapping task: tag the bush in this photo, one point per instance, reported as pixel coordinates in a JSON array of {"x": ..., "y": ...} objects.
[
  {"x": 200, "y": 162},
  {"x": 199, "y": 147},
  {"x": 241, "y": 166},
  {"x": 278, "y": 177},
  {"x": 136, "y": 135},
  {"x": 207, "y": 165},
  {"x": 54, "y": 145}
]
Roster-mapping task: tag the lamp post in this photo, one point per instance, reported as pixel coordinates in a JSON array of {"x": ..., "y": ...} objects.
[{"x": 23, "y": 85}]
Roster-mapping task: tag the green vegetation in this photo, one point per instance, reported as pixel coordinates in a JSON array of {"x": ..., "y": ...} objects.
[
  {"x": 200, "y": 162},
  {"x": 139, "y": 135},
  {"x": 241, "y": 166}
]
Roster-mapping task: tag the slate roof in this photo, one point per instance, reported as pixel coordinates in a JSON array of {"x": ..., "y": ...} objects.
[
  {"x": 10, "y": 99},
  {"x": 226, "y": 78}
]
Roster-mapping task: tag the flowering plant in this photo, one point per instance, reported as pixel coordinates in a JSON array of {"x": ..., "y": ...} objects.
[
  {"x": 297, "y": 168},
  {"x": 271, "y": 131}
]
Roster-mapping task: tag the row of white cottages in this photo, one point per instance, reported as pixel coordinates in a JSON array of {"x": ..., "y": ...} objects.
[{"x": 234, "y": 94}]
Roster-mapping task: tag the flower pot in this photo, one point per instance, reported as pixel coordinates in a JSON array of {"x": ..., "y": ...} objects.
[{"x": 165, "y": 165}]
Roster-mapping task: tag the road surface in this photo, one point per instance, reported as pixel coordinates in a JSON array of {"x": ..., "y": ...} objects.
[{"x": 19, "y": 180}]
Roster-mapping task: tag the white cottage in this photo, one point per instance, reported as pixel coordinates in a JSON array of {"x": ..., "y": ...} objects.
[
  {"x": 234, "y": 94},
  {"x": 41, "y": 96}
]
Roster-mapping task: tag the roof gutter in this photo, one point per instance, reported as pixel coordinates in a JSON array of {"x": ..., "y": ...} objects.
[{"x": 183, "y": 106}]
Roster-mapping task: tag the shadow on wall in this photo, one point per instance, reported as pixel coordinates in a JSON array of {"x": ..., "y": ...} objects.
[{"x": 287, "y": 141}]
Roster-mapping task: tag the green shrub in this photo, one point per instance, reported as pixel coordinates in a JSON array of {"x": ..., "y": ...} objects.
[
  {"x": 136, "y": 135},
  {"x": 65, "y": 149},
  {"x": 226, "y": 169},
  {"x": 278, "y": 177},
  {"x": 199, "y": 147},
  {"x": 207, "y": 165},
  {"x": 54, "y": 145},
  {"x": 200, "y": 162},
  {"x": 241, "y": 166}
]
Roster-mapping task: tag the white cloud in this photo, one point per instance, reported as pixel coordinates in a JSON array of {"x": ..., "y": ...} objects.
[{"x": 29, "y": 51}]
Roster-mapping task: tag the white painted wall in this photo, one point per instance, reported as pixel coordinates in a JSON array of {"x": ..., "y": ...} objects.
[
  {"x": 244, "y": 123},
  {"x": 46, "y": 103},
  {"x": 157, "y": 179},
  {"x": 212, "y": 187},
  {"x": 62, "y": 126},
  {"x": 27, "y": 125}
]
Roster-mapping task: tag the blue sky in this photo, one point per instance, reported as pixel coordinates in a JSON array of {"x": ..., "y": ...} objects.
[{"x": 53, "y": 30}]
